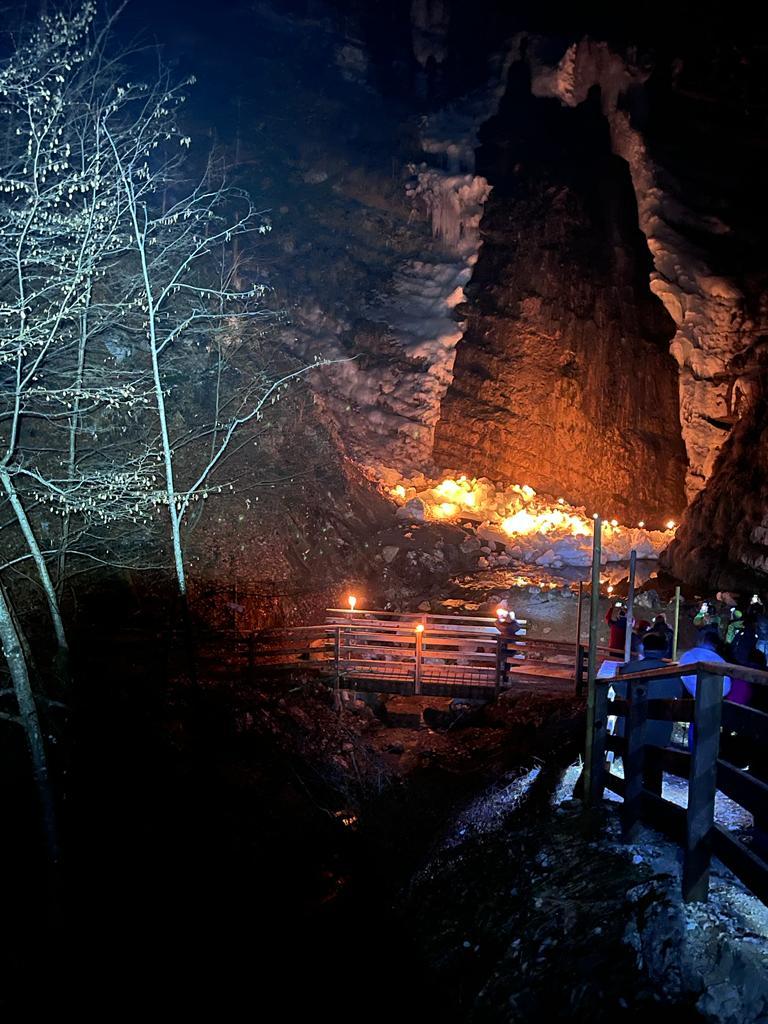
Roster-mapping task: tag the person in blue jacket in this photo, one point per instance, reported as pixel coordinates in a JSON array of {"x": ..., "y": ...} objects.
[
  {"x": 705, "y": 650},
  {"x": 654, "y": 645}
]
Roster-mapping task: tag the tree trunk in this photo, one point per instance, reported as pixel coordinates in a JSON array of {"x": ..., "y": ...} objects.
[
  {"x": 170, "y": 483},
  {"x": 74, "y": 424},
  {"x": 39, "y": 560},
  {"x": 30, "y": 721}
]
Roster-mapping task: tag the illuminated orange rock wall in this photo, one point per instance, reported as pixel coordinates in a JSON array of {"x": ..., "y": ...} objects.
[{"x": 563, "y": 379}]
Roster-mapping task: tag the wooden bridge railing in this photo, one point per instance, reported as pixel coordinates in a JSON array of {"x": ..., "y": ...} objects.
[
  {"x": 582, "y": 658},
  {"x": 720, "y": 730},
  {"x": 410, "y": 650}
]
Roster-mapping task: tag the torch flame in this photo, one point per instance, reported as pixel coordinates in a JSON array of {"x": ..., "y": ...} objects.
[{"x": 352, "y": 601}]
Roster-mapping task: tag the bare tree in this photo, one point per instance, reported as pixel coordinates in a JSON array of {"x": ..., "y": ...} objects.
[
  {"x": 185, "y": 295},
  {"x": 122, "y": 287}
]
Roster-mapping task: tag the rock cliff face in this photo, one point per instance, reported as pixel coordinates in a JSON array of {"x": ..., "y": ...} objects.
[
  {"x": 564, "y": 378},
  {"x": 536, "y": 243},
  {"x": 722, "y": 543},
  {"x": 686, "y": 127}
]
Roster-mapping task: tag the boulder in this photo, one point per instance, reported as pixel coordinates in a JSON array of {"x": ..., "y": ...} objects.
[
  {"x": 412, "y": 511},
  {"x": 492, "y": 534}
]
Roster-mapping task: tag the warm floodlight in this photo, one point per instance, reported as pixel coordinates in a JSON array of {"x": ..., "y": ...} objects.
[{"x": 352, "y": 601}]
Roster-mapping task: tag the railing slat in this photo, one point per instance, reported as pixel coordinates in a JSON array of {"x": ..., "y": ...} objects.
[
  {"x": 747, "y": 722},
  {"x": 667, "y": 709},
  {"x": 744, "y": 862}
]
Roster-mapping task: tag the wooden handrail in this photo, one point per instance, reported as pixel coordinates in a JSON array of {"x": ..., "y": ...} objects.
[
  {"x": 717, "y": 668},
  {"x": 418, "y": 616},
  {"x": 703, "y": 765}
]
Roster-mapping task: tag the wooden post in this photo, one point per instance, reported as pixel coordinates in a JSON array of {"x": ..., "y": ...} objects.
[
  {"x": 578, "y": 612},
  {"x": 702, "y": 786},
  {"x": 417, "y": 664},
  {"x": 578, "y": 638},
  {"x": 677, "y": 624},
  {"x": 630, "y": 607},
  {"x": 593, "y": 759},
  {"x": 337, "y": 659},
  {"x": 579, "y": 669},
  {"x": 501, "y": 657},
  {"x": 634, "y": 756},
  {"x": 594, "y": 781}
]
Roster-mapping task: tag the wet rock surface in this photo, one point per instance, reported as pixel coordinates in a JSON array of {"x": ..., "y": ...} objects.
[{"x": 528, "y": 915}]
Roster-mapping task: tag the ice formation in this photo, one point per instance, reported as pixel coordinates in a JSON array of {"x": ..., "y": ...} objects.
[{"x": 530, "y": 527}]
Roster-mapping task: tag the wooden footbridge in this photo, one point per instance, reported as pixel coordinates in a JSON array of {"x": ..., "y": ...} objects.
[
  {"x": 420, "y": 654},
  {"x": 462, "y": 656}
]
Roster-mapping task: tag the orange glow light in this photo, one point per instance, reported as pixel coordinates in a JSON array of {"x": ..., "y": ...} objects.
[{"x": 352, "y": 601}]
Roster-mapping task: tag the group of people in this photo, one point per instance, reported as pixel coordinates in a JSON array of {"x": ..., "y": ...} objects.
[
  {"x": 616, "y": 617},
  {"x": 652, "y": 648},
  {"x": 725, "y": 633},
  {"x": 738, "y": 632}
]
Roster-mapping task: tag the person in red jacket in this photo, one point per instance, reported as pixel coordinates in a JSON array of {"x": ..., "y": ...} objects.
[{"x": 616, "y": 617}]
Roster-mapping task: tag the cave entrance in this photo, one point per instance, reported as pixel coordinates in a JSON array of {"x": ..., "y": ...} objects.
[{"x": 563, "y": 379}]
